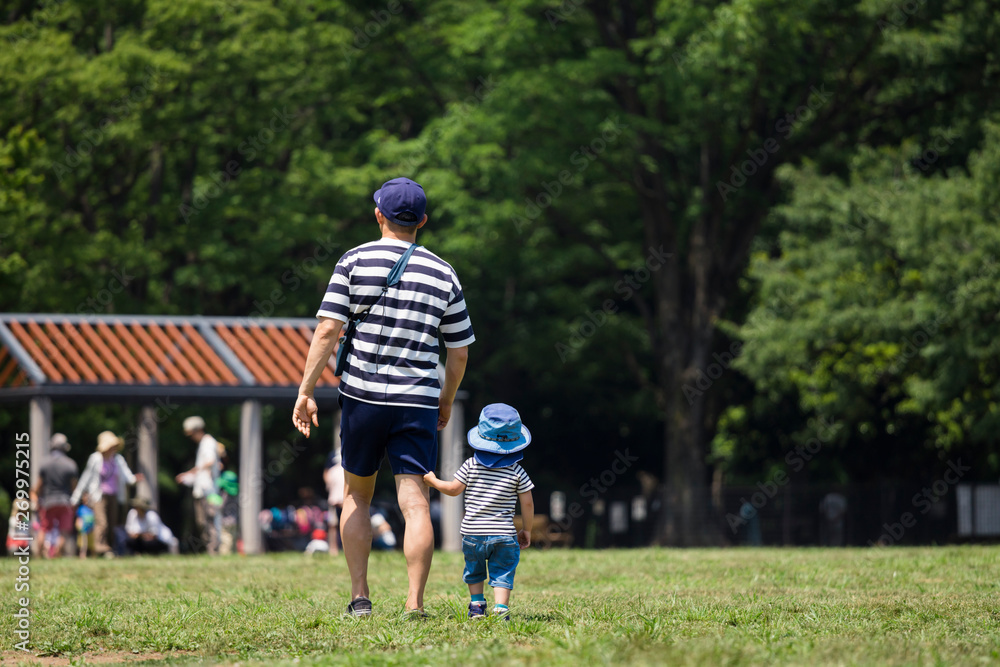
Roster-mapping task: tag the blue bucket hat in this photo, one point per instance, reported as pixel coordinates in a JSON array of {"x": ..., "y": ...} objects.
[
  {"x": 500, "y": 431},
  {"x": 401, "y": 201}
]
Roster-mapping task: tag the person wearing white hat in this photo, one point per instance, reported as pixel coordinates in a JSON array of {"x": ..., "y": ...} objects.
[
  {"x": 52, "y": 493},
  {"x": 102, "y": 488},
  {"x": 202, "y": 479}
]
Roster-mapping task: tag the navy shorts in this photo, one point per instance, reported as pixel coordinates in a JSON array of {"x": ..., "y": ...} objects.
[
  {"x": 499, "y": 553},
  {"x": 369, "y": 432}
]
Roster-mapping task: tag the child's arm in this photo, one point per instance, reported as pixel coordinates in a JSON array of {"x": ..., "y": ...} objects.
[
  {"x": 527, "y": 518},
  {"x": 452, "y": 488}
]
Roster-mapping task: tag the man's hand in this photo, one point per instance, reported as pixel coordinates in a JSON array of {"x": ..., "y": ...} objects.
[
  {"x": 444, "y": 414},
  {"x": 305, "y": 413},
  {"x": 524, "y": 539}
]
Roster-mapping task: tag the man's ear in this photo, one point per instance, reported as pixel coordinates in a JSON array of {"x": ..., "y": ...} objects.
[{"x": 422, "y": 222}]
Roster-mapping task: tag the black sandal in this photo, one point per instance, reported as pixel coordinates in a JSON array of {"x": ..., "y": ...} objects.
[{"x": 360, "y": 607}]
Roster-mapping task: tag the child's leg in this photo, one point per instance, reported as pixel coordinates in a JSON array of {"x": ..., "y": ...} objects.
[
  {"x": 477, "y": 589},
  {"x": 502, "y": 596}
]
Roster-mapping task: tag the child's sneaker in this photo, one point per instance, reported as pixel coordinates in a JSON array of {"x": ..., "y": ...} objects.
[
  {"x": 477, "y": 609},
  {"x": 502, "y": 612}
]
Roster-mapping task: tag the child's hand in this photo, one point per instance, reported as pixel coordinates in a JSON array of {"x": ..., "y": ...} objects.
[
  {"x": 524, "y": 539},
  {"x": 430, "y": 478}
]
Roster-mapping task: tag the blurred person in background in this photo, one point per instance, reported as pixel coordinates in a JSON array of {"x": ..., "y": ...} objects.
[
  {"x": 202, "y": 480},
  {"x": 318, "y": 543},
  {"x": 102, "y": 488},
  {"x": 229, "y": 512},
  {"x": 333, "y": 476},
  {"x": 146, "y": 532},
  {"x": 52, "y": 494}
]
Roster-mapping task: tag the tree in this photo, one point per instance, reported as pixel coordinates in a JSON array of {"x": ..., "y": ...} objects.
[
  {"x": 627, "y": 133},
  {"x": 879, "y": 311}
]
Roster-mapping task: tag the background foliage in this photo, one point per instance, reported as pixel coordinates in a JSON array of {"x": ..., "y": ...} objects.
[{"x": 217, "y": 156}]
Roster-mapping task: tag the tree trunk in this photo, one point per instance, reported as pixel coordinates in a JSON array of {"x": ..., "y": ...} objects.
[{"x": 686, "y": 308}]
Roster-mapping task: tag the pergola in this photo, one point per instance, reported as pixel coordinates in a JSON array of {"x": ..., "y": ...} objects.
[{"x": 162, "y": 360}]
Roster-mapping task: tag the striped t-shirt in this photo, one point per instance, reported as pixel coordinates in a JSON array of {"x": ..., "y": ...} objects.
[
  {"x": 394, "y": 358},
  {"x": 490, "y": 496}
]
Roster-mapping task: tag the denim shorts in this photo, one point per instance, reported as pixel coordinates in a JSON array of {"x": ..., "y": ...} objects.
[{"x": 500, "y": 553}]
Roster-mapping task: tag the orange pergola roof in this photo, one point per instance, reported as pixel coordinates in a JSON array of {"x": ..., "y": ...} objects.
[{"x": 104, "y": 356}]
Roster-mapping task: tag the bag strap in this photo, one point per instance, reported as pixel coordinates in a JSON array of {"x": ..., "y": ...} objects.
[
  {"x": 395, "y": 274},
  {"x": 397, "y": 271}
]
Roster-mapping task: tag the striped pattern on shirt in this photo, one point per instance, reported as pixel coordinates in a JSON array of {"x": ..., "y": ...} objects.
[
  {"x": 394, "y": 359},
  {"x": 490, "y": 497}
]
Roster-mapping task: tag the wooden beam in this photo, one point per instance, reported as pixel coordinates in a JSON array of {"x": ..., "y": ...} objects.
[
  {"x": 251, "y": 477},
  {"x": 452, "y": 446},
  {"x": 148, "y": 454},
  {"x": 40, "y": 432}
]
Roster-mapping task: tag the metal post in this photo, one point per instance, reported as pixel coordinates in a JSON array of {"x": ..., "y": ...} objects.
[
  {"x": 452, "y": 441},
  {"x": 251, "y": 477},
  {"x": 40, "y": 432},
  {"x": 148, "y": 454}
]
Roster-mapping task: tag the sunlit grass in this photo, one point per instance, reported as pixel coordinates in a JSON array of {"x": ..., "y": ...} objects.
[{"x": 650, "y": 606}]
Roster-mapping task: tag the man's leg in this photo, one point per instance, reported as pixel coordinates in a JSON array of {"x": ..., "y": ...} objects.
[
  {"x": 356, "y": 529},
  {"x": 418, "y": 538}
]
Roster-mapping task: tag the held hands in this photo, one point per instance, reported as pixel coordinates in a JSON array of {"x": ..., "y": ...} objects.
[
  {"x": 305, "y": 413},
  {"x": 524, "y": 539}
]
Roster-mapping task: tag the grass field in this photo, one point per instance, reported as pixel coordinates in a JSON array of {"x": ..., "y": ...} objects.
[{"x": 890, "y": 606}]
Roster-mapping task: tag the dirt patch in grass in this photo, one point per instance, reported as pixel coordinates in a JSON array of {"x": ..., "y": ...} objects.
[{"x": 95, "y": 658}]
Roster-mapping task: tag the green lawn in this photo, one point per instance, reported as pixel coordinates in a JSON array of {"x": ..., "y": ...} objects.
[{"x": 651, "y": 606}]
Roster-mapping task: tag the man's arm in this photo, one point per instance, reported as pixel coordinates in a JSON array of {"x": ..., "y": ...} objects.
[
  {"x": 527, "y": 517},
  {"x": 324, "y": 340},
  {"x": 454, "y": 371},
  {"x": 452, "y": 488}
]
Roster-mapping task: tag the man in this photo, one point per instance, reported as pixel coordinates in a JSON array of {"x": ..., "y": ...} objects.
[
  {"x": 391, "y": 399},
  {"x": 202, "y": 478},
  {"x": 52, "y": 493}
]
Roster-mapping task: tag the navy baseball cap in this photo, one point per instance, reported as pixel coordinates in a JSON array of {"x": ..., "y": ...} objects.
[{"x": 401, "y": 201}]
